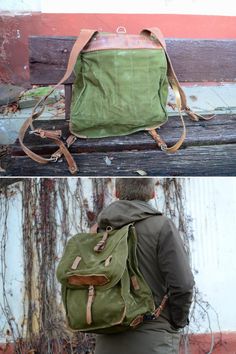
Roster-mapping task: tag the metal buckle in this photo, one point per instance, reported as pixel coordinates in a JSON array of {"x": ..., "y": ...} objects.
[
  {"x": 54, "y": 158},
  {"x": 163, "y": 147},
  {"x": 36, "y": 132},
  {"x": 121, "y": 29},
  {"x": 149, "y": 317}
]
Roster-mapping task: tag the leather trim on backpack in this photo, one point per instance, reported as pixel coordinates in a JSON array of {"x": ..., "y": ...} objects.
[
  {"x": 108, "y": 41},
  {"x": 94, "y": 279}
]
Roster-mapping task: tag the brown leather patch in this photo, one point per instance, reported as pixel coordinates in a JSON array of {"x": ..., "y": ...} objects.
[
  {"x": 87, "y": 280},
  {"x": 105, "y": 41}
]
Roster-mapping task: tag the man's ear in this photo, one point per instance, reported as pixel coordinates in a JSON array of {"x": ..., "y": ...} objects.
[
  {"x": 117, "y": 194},
  {"x": 153, "y": 195}
]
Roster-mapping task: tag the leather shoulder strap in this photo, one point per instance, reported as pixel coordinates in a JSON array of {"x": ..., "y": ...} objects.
[
  {"x": 172, "y": 78},
  {"x": 178, "y": 91},
  {"x": 82, "y": 40},
  {"x": 181, "y": 101}
]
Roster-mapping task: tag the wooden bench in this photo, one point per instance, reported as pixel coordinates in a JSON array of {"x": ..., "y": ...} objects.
[{"x": 210, "y": 146}]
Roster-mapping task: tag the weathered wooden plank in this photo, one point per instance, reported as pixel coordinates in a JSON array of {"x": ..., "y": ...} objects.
[
  {"x": 220, "y": 130},
  {"x": 203, "y": 60},
  {"x": 193, "y": 60},
  {"x": 193, "y": 161}
]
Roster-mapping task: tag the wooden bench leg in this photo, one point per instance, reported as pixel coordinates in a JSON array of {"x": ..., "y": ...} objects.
[{"x": 68, "y": 95}]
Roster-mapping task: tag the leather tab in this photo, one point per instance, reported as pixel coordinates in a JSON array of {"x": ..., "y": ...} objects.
[
  {"x": 137, "y": 321},
  {"x": 76, "y": 263},
  {"x": 161, "y": 307},
  {"x": 51, "y": 134},
  {"x": 108, "y": 261},
  {"x": 91, "y": 295},
  {"x": 70, "y": 140},
  {"x": 134, "y": 282},
  {"x": 102, "y": 243}
]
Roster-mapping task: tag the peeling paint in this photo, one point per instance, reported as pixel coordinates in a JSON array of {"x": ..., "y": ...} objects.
[
  {"x": 14, "y": 32},
  {"x": 5, "y": 39},
  {"x": 5, "y": 36}
]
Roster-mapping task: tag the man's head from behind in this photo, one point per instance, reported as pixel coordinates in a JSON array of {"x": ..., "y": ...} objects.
[{"x": 135, "y": 188}]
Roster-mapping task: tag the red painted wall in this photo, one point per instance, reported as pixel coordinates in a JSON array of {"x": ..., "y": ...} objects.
[
  {"x": 14, "y": 32},
  {"x": 225, "y": 343}
]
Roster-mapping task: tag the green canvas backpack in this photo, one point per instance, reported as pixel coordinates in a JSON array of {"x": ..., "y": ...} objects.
[
  {"x": 121, "y": 87},
  {"x": 102, "y": 288}
]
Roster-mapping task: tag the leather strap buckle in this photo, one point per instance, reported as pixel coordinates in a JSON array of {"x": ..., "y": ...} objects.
[
  {"x": 149, "y": 317},
  {"x": 54, "y": 158},
  {"x": 56, "y": 155}
]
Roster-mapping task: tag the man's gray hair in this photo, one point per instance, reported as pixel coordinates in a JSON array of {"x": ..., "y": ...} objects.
[{"x": 135, "y": 188}]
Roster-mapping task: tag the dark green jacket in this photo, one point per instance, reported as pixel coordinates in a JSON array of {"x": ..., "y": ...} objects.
[{"x": 161, "y": 255}]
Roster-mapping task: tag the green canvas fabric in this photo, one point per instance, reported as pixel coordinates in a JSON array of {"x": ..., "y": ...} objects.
[
  {"x": 116, "y": 303},
  {"x": 118, "y": 92}
]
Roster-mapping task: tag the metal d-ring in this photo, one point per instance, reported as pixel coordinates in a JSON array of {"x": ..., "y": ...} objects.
[{"x": 121, "y": 29}]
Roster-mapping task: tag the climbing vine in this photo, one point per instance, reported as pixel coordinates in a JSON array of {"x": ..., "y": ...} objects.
[
  {"x": 13, "y": 330},
  {"x": 174, "y": 208},
  {"x": 53, "y": 209}
]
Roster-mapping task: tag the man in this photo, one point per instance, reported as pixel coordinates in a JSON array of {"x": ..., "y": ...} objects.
[{"x": 163, "y": 263}]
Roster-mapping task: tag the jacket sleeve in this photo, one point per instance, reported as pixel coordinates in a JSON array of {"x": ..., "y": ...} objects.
[{"x": 174, "y": 266}]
